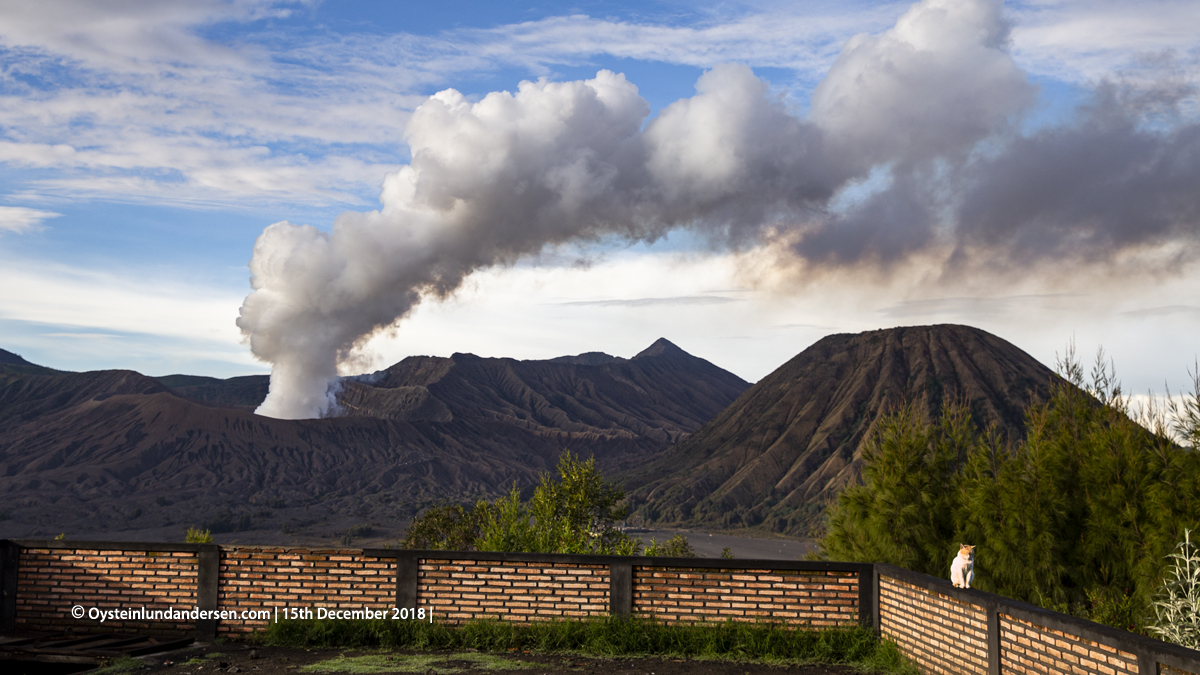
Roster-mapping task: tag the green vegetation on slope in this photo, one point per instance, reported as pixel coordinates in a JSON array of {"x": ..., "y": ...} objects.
[{"x": 1078, "y": 517}]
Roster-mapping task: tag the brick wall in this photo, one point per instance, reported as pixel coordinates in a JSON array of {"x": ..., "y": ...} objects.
[
  {"x": 941, "y": 628},
  {"x": 953, "y": 630},
  {"x": 1026, "y": 647},
  {"x": 674, "y": 594},
  {"x": 253, "y": 578},
  {"x": 50, "y": 581},
  {"x": 941, "y": 634},
  {"x": 460, "y": 590}
]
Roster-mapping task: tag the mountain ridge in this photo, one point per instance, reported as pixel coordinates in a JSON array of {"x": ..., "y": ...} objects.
[{"x": 120, "y": 451}]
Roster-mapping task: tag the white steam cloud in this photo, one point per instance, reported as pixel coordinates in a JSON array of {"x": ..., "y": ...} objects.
[{"x": 493, "y": 181}]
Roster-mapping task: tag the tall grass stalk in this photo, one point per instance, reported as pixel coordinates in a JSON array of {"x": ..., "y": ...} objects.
[{"x": 607, "y": 636}]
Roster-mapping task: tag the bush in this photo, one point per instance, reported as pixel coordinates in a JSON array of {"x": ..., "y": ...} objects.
[
  {"x": 574, "y": 514},
  {"x": 448, "y": 528},
  {"x": 197, "y": 536},
  {"x": 675, "y": 547},
  {"x": 1177, "y": 603}
]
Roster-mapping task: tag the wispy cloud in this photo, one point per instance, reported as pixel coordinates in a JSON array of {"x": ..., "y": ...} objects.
[
  {"x": 973, "y": 307},
  {"x": 19, "y": 219},
  {"x": 1087, "y": 40},
  {"x": 1165, "y": 310},
  {"x": 81, "y": 336},
  {"x": 655, "y": 302},
  {"x": 806, "y": 42},
  {"x": 805, "y": 326},
  {"x": 69, "y": 301}
]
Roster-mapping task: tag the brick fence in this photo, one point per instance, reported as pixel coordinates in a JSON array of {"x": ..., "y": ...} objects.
[
  {"x": 961, "y": 630},
  {"x": 167, "y": 589}
]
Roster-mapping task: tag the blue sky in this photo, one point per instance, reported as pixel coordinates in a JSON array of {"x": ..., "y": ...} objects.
[{"x": 145, "y": 146}]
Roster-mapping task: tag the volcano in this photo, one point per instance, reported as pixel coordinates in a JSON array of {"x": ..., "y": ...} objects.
[{"x": 787, "y": 446}]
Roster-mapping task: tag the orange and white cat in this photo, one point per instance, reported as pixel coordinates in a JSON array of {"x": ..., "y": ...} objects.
[{"x": 962, "y": 570}]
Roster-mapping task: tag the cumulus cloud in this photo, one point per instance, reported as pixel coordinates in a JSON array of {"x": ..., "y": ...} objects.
[
  {"x": 933, "y": 86},
  {"x": 19, "y": 219},
  {"x": 1105, "y": 184},
  {"x": 921, "y": 123}
]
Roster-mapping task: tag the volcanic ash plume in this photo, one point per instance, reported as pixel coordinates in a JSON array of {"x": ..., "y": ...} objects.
[{"x": 493, "y": 181}]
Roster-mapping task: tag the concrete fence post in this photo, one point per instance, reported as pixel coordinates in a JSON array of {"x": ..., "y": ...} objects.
[
  {"x": 877, "y": 619},
  {"x": 407, "y": 569},
  {"x": 1147, "y": 664},
  {"x": 620, "y": 589},
  {"x": 208, "y": 578},
  {"x": 10, "y": 560},
  {"x": 992, "y": 611},
  {"x": 867, "y": 595}
]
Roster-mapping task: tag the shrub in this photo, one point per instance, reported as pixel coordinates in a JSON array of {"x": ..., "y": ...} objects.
[
  {"x": 197, "y": 536},
  {"x": 574, "y": 514},
  {"x": 1177, "y": 603},
  {"x": 448, "y": 528},
  {"x": 675, "y": 547}
]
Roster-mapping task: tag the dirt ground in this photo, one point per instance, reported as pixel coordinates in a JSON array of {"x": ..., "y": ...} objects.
[{"x": 243, "y": 659}]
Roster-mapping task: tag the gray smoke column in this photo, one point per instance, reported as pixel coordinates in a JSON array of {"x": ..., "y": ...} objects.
[{"x": 502, "y": 178}]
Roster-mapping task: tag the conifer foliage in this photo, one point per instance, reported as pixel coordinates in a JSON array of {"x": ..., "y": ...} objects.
[
  {"x": 1079, "y": 516},
  {"x": 905, "y": 511}
]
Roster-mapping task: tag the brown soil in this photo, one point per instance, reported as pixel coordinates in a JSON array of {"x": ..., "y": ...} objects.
[{"x": 242, "y": 659}]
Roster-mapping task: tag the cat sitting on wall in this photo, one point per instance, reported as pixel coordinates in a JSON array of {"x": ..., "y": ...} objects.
[{"x": 962, "y": 570}]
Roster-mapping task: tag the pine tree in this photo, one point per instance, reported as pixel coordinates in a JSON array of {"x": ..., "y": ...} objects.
[
  {"x": 1077, "y": 517},
  {"x": 905, "y": 510}
]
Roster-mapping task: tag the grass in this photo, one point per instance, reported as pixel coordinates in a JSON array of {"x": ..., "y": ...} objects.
[
  {"x": 418, "y": 663},
  {"x": 201, "y": 660},
  {"x": 609, "y": 637},
  {"x": 121, "y": 664}
]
